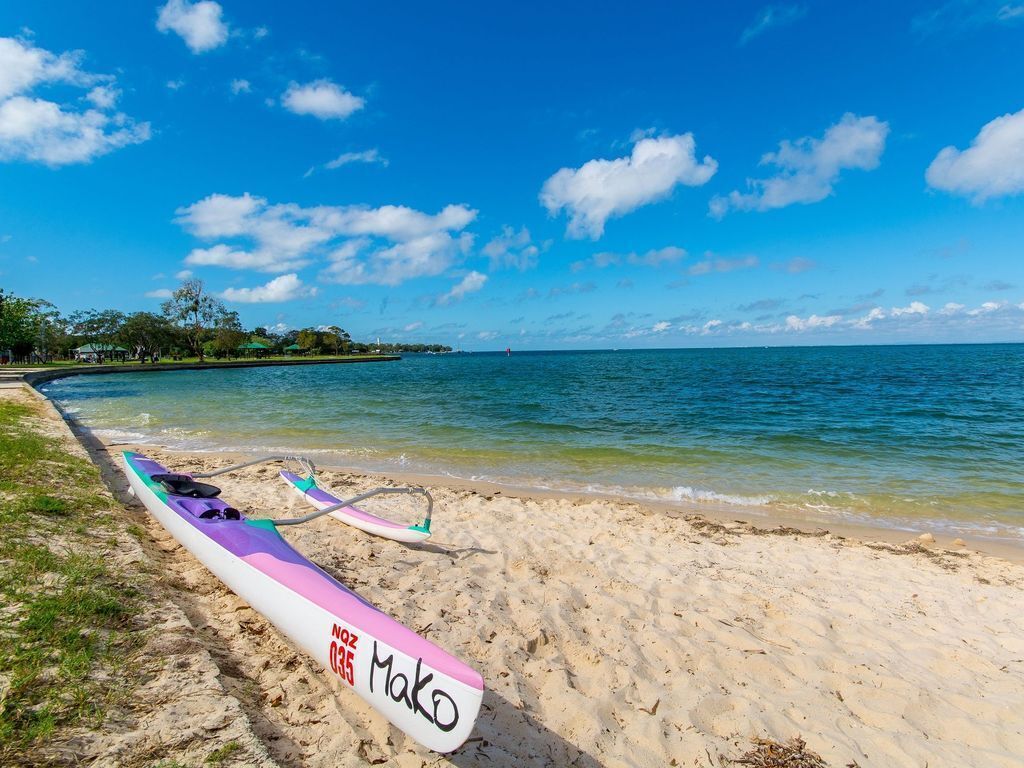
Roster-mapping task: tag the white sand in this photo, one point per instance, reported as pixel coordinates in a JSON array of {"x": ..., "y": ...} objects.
[{"x": 608, "y": 634}]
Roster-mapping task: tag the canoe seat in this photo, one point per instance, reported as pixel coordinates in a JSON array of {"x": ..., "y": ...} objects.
[
  {"x": 183, "y": 485},
  {"x": 208, "y": 509},
  {"x": 221, "y": 513}
]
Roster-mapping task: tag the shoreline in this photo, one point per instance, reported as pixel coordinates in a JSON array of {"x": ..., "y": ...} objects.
[
  {"x": 760, "y": 519},
  {"x": 35, "y": 376}
]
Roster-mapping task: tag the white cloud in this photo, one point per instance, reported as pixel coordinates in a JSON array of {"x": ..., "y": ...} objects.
[
  {"x": 606, "y": 259},
  {"x": 284, "y": 288},
  {"x": 183, "y": 274},
  {"x": 770, "y": 17},
  {"x": 959, "y": 15},
  {"x": 175, "y": 85},
  {"x": 23, "y": 66},
  {"x": 471, "y": 283},
  {"x": 224, "y": 256},
  {"x": 220, "y": 215},
  {"x": 395, "y": 222},
  {"x": 41, "y": 131},
  {"x": 322, "y": 99},
  {"x": 864, "y": 323},
  {"x": 485, "y": 335},
  {"x": 713, "y": 263},
  {"x": 809, "y": 168},
  {"x": 914, "y": 308},
  {"x": 36, "y": 130},
  {"x": 710, "y": 327},
  {"x": 794, "y": 323},
  {"x": 160, "y": 293},
  {"x": 103, "y": 96},
  {"x": 951, "y": 308},
  {"x": 240, "y": 86},
  {"x": 993, "y": 166},
  {"x": 412, "y": 327},
  {"x": 199, "y": 24},
  {"x": 420, "y": 257},
  {"x": 795, "y": 266},
  {"x": 512, "y": 249},
  {"x": 655, "y": 258},
  {"x": 366, "y": 156},
  {"x": 385, "y": 245},
  {"x": 661, "y": 327},
  {"x": 603, "y": 189},
  {"x": 986, "y": 308}
]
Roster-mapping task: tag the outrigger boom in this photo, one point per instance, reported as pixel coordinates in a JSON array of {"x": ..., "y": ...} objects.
[
  {"x": 307, "y": 464},
  {"x": 349, "y": 502},
  {"x": 305, "y": 461}
]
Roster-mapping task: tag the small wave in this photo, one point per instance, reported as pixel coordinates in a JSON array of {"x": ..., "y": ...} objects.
[
  {"x": 686, "y": 493},
  {"x": 829, "y": 494},
  {"x": 115, "y": 436}
]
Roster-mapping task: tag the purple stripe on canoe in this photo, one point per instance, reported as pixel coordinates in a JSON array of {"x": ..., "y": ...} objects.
[{"x": 321, "y": 496}]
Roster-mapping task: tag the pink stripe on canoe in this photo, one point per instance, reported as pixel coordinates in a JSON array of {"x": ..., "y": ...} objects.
[
  {"x": 319, "y": 588},
  {"x": 318, "y": 494}
]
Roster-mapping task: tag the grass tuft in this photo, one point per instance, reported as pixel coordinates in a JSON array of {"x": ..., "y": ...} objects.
[
  {"x": 48, "y": 505},
  {"x": 218, "y": 756}
]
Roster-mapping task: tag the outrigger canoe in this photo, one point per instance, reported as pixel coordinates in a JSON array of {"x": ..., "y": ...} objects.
[
  {"x": 319, "y": 498},
  {"x": 423, "y": 690}
]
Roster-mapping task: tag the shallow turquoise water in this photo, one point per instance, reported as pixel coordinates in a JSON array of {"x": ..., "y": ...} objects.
[{"x": 902, "y": 436}]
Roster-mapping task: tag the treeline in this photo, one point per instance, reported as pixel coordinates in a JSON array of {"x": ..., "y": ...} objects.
[{"x": 192, "y": 323}]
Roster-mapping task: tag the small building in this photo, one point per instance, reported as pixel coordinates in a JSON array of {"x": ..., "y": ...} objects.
[
  {"x": 294, "y": 349},
  {"x": 253, "y": 349},
  {"x": 95, "y": 353}
]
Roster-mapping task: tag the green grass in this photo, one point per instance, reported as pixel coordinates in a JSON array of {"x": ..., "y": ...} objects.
[
  {"x": 218, "y": 756},
  {"x": 65, "y": 614}
]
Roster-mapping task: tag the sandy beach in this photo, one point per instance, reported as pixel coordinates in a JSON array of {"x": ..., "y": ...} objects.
[{"x": 613, "y": 634}]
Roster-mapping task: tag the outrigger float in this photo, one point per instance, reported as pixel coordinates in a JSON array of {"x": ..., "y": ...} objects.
[
  {"x": 320, "y": 499},
  {"x": 422, "y": 689}
]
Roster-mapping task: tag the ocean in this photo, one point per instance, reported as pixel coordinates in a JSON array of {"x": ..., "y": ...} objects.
[{"x": 908, "y": 437}]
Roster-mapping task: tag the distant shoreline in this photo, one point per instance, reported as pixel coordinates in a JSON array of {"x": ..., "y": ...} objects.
[{"x": 44, "y": 375}]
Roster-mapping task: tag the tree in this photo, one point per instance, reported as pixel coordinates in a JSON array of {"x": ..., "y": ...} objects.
[
  {"x": 228, "y": 334},
  {"x": 146, "y": 334},
  {"x": 332, "y": 338},
  {"x": 93, "y": 325},
  {"x": 337, "y": 339},
  {"x": 52, "y": 331},
  {"x": 16, "y": 325},
  {"x": 194, "y": 311},
  {"x": 308, "y": 339}
]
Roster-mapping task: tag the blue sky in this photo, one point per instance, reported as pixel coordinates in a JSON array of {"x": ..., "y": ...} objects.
[{"x": 525, "y": 175}]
